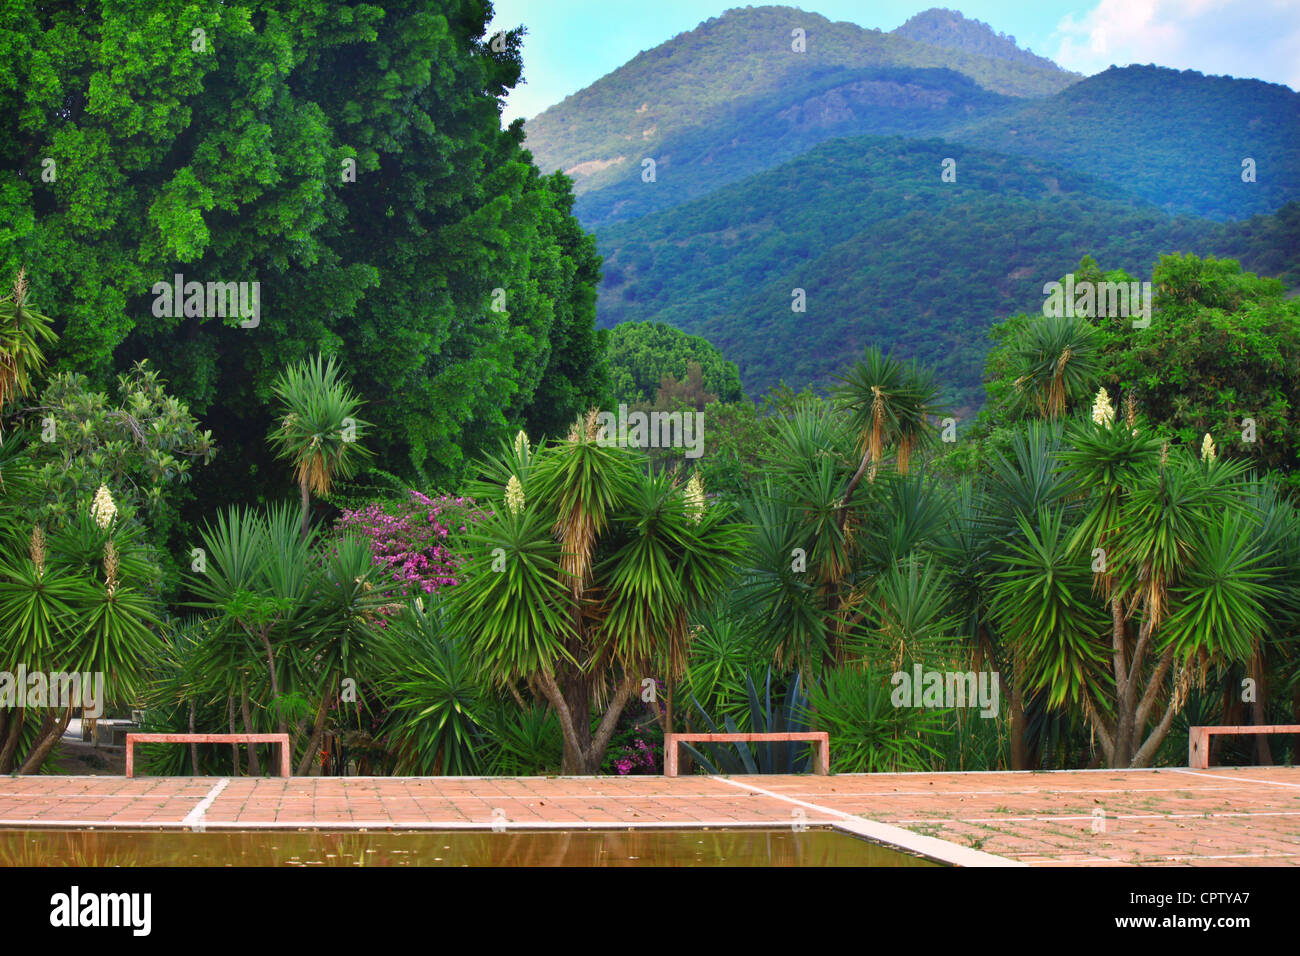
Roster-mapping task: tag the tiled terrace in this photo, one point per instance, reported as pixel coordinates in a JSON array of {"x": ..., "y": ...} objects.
[{"x": 1147, "y": 817}]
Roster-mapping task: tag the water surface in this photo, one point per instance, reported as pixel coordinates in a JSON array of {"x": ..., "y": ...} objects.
[{"x": 811, "y": 847}]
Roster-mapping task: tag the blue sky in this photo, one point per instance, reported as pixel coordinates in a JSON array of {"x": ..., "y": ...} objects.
[{"x": 572, "y": 43}]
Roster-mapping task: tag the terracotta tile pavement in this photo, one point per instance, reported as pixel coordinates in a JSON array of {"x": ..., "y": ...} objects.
[{"x": 1220, "y": 817}]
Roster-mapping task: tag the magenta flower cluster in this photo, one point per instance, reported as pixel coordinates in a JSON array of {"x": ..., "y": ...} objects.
[
  {"x": 637, "y": 756},
  {"x": 411, "y": 538}
]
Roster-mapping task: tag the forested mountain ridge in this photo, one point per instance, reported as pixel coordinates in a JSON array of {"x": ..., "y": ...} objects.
[
  {"x": 745, "y": 53},
  {"x": 887, "y": 253},
  {"x": 1230, "y": 120},
  {"x": 1177, "y": 138},
  {"x": 747, "y": 136}
]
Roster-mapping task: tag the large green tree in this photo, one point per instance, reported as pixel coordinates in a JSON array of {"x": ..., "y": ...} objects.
[{"x": 349, "y": 158}]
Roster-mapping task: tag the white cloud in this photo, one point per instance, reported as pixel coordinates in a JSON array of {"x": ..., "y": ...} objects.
[{"x": 1259, "y": 39}]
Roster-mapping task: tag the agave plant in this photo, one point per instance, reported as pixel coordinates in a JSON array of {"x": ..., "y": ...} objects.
[{"x": 790, "y": 716}]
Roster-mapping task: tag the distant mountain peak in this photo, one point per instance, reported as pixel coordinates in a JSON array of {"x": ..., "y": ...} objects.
[{"x": 949, "y": 28}]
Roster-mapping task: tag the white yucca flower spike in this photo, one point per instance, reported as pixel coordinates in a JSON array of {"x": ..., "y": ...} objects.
[
  {"x": 102, "y": 508},
  {"x": 695, "y": 498},
  {"x": 514, "y": 495},
  {"x": 1208, "y": 451},
  {"x": 522, "y": 448},
  {"x": 1103, "y": 412}
]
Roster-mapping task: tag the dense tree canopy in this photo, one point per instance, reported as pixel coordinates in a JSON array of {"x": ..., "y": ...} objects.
[
  {"x": 350, "y": 160},
  {"x": 642, "y": 353}
]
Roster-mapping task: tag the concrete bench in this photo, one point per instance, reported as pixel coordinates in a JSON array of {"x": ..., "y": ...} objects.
[
  {"x": 281, "y": 739},
  {"x": 822, "y": 739},
  {"x": 1198, "y": 739}
]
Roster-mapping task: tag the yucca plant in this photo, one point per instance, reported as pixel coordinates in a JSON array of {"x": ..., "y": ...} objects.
[
  {"x": 521, "y": 742},
  {"x": 57, "y": 615},
  {"x": 437, "y": 703},
  {"x": 1156, "y": 533},
  {"x": 868, "y": 734},
  {"x": 725, "y": 651},
  {"x": 23, "y": 332},
  {"x": 891, "y": 403},
  {"x": 1054, "y": 361},
  {"x": 584, "y": 579},
  {"x": 319, "y": 433},
  {"x": 348, "y": 610}
]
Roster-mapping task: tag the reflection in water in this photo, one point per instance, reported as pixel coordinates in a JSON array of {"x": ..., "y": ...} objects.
[{"x": 812, "y": 847}]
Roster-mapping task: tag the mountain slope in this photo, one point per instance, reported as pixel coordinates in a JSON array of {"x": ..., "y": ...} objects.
[
  {"x": 1177, "y": 138},
  {"x": 886, "y": 253},
  {"x": 745, "y": 53},
  {"x": 751, "y": 135}
]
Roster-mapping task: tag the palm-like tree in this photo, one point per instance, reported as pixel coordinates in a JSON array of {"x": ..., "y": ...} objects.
[
  {"x": 890, "y": 403},
  {"x": 1182, "y": 584},
  {"x": 57, "y": 614},
  {"x": 22, "y": 332},
  {"x": 584, "y": 579},
  {"x": 319, "y": 433},
  {"x": 1054, "y": 359}
]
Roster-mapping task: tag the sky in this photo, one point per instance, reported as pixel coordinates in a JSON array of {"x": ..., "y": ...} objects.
[{"x": 572, "y": 43}]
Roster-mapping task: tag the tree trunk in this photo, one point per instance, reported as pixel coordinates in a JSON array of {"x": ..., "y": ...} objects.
[
  {"x": 49, "y": 736},
  {"x": 11, "y": 741},
  {"x": 283, "y": 726},
  {"x": 254, "y": 764},
  {"x": 842, "y": 516},
  {"x": 1259, "y": 711},
  {"x": 306, "y": 507},
  {"x": 308, "y": 761},
  {"x": 1019, "y": 750},
  {"x": 1124, "y": 730},
  {"x": 577, "y": 744},
  {"x": 194, "y": 748},
  {"x": 230, "y": 722}
]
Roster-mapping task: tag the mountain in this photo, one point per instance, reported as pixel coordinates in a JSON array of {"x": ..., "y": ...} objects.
[
  {"x": 888, "y": 253},
  {"x": 948, "y": 28},
  {"x": 820, "y": 171},
  {"x": 743, "y": 54}
]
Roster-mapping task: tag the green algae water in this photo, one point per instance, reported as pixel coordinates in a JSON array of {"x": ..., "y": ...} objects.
[{"x": 316, "y": 848}]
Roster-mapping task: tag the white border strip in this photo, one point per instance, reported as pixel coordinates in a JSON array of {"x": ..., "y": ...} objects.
[
  {"x": 932, "y": 847},
  {"x": 194, "y": 819},
  {"x": 1215, "y": 776}
]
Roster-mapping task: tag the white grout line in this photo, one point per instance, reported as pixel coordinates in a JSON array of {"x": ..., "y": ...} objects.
[
  {"x": 194, "y": 819},
  {"x": 1215, "y": 776},
  {"x": 932, "y": 847}
]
